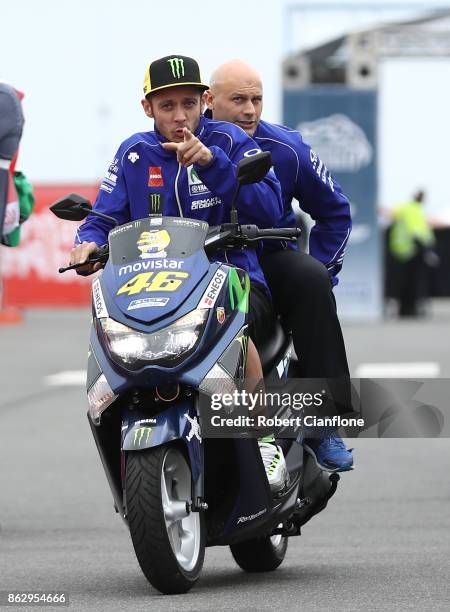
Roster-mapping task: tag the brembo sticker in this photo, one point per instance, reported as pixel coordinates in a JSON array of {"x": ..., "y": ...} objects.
[
  {"x": 210, "y": 296},
  {"x": 99, "y": 303}
]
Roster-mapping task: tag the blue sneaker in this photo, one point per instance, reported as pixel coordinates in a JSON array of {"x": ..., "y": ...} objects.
[{"x": 330, "y": 453}]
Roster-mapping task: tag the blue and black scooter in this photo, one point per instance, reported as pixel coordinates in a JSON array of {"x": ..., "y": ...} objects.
[{"x": 168, "y": 324}]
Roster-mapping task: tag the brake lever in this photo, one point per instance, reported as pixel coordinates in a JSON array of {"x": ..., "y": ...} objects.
[
  {"x": 103, "y": 254},
  {"x": 73, "y": 266},
  {"x": 79, "y": 265}
]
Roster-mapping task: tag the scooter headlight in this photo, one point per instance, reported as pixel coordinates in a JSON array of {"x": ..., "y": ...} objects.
[{"x": 167, "y": 346}]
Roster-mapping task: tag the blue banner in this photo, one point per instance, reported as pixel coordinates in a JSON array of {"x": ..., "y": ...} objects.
[{"x": 340, "y": 124}]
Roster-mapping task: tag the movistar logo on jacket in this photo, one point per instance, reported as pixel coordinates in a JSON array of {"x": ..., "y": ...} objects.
[{"x": 177, "y": 67}]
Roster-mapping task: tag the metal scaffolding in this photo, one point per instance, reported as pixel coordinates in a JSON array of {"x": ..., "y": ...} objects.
[{"x": 352, "y": 59}]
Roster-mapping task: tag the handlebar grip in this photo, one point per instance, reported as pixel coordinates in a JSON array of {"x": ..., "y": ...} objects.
[
  {"x": 103, "y": 250},
  {"x": 281, "y": 232}
]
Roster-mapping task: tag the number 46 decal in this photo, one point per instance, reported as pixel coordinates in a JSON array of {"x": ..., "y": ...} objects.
[{"x": 162, "y": 281}]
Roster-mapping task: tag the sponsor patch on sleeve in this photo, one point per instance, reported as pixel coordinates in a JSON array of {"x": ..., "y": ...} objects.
[{"x": 110, "y": 179}]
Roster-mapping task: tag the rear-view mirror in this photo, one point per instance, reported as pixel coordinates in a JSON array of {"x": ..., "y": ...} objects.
[
  {"x": 253, "y": 169},
  {"x": 72, "y": 207}
]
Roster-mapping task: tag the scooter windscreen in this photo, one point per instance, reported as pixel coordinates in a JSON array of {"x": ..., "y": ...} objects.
[{"x": 155, "y": 264}]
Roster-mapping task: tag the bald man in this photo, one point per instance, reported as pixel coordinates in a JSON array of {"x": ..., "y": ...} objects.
[{"x": 302, "y": 294}]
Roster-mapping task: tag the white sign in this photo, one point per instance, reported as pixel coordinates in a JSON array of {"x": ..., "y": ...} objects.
[{"x": 99, "y": 302}]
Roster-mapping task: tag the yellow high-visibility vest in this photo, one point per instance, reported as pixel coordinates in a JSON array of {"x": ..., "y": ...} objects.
[{"x": 410, "y": 225}]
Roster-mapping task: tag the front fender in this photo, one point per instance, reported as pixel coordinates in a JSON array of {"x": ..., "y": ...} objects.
[{"x": 179, "y": 422}]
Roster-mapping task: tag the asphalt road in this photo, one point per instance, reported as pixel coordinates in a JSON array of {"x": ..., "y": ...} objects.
[{"x": 382, "y": 544}]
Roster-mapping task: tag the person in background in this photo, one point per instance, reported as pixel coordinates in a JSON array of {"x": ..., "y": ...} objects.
[
  {"x": 11, "y": 127},
  {"x": 411, "y": 244}
]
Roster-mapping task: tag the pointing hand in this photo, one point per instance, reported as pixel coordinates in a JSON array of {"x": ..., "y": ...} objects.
[{"x": 190, "y": 151}]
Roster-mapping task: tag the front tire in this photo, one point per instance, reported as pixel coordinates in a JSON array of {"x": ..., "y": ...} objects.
[
  {"x": 168, "y": 539},
  {"x": 260, "y": 554}
]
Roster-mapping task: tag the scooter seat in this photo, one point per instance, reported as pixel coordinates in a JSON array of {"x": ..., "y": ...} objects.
[{"x": 269, "y": 351}]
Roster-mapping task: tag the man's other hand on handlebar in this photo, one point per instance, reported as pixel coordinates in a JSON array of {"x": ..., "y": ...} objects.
[{"x": 81, "y": 254}]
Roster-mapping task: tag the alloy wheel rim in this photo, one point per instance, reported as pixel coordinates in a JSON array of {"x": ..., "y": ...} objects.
[
  {"x": 183, "y": 525},
  {"x": 276, "y": 539}
]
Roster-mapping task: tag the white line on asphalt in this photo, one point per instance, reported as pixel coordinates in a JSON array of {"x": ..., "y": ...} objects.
[
  {"x": 426, "y": 369},
  {"x": 68, "y": 378}
]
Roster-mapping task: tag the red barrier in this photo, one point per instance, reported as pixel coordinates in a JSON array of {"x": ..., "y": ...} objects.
[{"x": 30, "y": 271}]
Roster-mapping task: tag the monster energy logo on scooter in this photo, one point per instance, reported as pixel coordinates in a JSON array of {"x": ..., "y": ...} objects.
[
  {"x": 155, "y": 203},
  {"x": 238, "y": 294},
  {"x": 139, "y": 435},
  {"x": 177, "y": 66}
]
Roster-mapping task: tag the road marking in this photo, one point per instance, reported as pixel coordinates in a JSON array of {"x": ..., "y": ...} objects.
[
  {"x": 68, "y": 378},
  {"x": 426, "y": 369}
]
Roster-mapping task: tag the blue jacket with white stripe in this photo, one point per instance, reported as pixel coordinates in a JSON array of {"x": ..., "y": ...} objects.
[
  {"x": 142, "y": 168},
  {"x": 303, "y": 176}
]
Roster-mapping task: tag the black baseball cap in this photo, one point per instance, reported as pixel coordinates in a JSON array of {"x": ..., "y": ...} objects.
[{"x": 172, "y": 71}]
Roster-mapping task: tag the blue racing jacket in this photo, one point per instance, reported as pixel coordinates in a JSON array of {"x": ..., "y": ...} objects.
[
  {"x": 303, "y": 176},
  {"x": 142, "y": 171}
]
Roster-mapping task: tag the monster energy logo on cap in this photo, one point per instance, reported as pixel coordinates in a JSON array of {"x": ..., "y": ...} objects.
[
  {"x": 177, "y": 66},
  {"x": 155, "y": 203},
  {"x": 171, "y": 71}
]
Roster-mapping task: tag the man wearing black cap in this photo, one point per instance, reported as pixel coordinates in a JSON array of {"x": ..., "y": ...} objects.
[
  {"x": 198, "y": 181},
  {"x": 188, "y": 163}
]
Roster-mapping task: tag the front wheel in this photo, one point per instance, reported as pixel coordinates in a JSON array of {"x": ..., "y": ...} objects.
[
  {"x": 168, "y": 538},
  {"x": 260, "y": 554}
]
